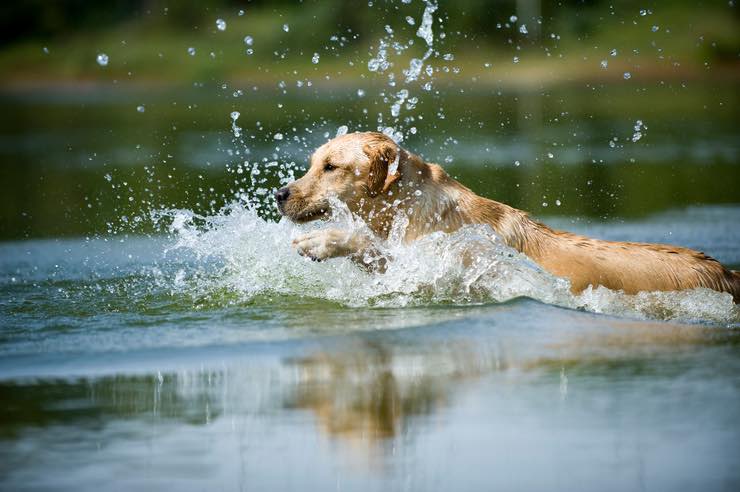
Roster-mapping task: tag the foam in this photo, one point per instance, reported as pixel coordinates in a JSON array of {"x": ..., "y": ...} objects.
[{"x": 255, "y": 257}]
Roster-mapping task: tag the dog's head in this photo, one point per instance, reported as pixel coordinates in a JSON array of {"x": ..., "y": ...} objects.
[{"x": 353, "y": 168}]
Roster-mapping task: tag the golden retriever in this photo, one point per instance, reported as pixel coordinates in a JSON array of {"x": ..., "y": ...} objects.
[{"x": 377, "y": 179}]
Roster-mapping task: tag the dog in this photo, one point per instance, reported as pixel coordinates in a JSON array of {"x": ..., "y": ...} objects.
[{"x": 377, "y": 179}]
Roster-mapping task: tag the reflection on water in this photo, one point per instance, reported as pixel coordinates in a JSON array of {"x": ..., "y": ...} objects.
[
  {"x": 368, "y": 391},
  {"x": 372, "y": 394},
  {"x": 387, "y": 409}
]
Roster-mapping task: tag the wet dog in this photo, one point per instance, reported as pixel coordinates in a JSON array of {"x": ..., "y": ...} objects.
[{"x": 377, "y": 180}]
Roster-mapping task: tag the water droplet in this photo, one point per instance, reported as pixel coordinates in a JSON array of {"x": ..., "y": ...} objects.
[
  {"x": 286, "y": 27},
  {"x": 643, "y": 12},
  {"x": 248, "y": 40},
  {"x": 627, "y": 75},
  {"x": 102, "y": 59},
  {"x": 140, "y": 108},
  {"x": 278, "y": 136},
  {"x": 558, "y": 202},
  {"x": 516, "y": 59},
  {"x": 360, "y": 93},
  {"x": 342, "y": 130},
  {"x": 220, "y": 24},
  {"x": 191, "y": 51},
  {"x": 235, "y": 115},
  {"x": 523, "y": 29},
  {"x": 517, "y": 163},
  {"x": 550, "y": 155},
  {"x": 427, "y": 19},
  {"x": 315, "y": 59},
  {"x": 513, "y": 18},
  {"x": 604, "y": 64},
  {"x": 613, "y": 52},
  {"x": 410, "y": 20},
  {"x": 638, "y": 128},
  {"x": 655, "y": 28},
  {"x": 45, "y": 50}
]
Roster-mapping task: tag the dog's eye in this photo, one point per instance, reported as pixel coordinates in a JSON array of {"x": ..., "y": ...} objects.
[{"x": 329, "y": 167}]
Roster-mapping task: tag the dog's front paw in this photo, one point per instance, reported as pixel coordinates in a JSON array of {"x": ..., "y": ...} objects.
[{"x": 323, "y": 244}]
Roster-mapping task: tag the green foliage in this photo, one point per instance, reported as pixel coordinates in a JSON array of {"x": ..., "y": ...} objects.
[{"x": 148, "y": 40}]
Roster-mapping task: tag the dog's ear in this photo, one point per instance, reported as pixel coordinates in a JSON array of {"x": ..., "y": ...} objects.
[{"x": 383, "y": 171}]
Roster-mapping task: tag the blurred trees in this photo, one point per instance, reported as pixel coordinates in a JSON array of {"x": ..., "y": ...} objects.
[{"x": 45, "y": 18}]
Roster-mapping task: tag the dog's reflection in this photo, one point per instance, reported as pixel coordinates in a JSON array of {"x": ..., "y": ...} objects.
[{"x": 374, "y": 393}]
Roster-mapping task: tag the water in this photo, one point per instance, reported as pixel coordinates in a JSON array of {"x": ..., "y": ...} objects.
[
  {"x": 157, "y": 331},
  {"x": 204, "y": 351},
  {"x": 215, "y": 355}
]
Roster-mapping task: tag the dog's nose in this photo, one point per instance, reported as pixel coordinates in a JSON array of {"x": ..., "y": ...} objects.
[{"x": 282, "y": 194}]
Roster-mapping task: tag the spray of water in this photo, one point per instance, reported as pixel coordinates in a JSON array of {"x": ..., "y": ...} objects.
[{"x": 253, "y": 256}]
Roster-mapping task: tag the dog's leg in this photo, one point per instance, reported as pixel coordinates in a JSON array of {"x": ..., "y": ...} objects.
[{"x": 332, "y": 243}]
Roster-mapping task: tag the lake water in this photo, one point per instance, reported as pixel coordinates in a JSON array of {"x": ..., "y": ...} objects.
[{"x": 195, "y": 350}]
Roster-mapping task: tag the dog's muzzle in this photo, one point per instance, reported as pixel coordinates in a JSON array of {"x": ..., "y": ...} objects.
[{"x": 281, "y": 196}]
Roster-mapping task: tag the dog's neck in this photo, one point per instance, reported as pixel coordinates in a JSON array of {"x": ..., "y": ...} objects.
[{"x": 433, "y": 201}]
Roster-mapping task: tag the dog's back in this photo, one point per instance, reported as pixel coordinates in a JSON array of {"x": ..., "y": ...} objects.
[
  {"x": 632, "y": 267},
  {"x": 628, "y": 266}
]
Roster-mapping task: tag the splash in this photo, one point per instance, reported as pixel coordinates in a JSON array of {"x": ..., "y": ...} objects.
[
  {"x": 420, "y": 70},
  {"x": 255, "y": 257},
  {"x": 425, "y": 29}
]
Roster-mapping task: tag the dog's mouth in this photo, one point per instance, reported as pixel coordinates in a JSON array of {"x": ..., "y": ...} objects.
[
  {"x": 308, "y": 216},
  {"x": 305, "y": 215}
]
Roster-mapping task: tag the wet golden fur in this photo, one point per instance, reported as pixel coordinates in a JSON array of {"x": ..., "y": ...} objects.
[{"x": 354, "y": 168}]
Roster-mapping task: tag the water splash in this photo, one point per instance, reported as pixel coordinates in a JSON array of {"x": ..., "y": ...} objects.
[
  {"x": 255, "y": 257},
  {"x": 419, "y": 69},
  {"x": 639, "y": 130},
  {"x": 425, "y": 29},
  {"x": 469, "y": 266},
  {"x": 379, "y": 63}
]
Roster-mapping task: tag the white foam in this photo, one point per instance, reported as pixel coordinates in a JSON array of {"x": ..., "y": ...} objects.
[{"x": 255, "y": 257}]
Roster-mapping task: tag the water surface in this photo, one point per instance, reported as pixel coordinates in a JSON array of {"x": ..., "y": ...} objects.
[
  {"x": 141, "y": 362},
  {"x": 150, "y": 338}
]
